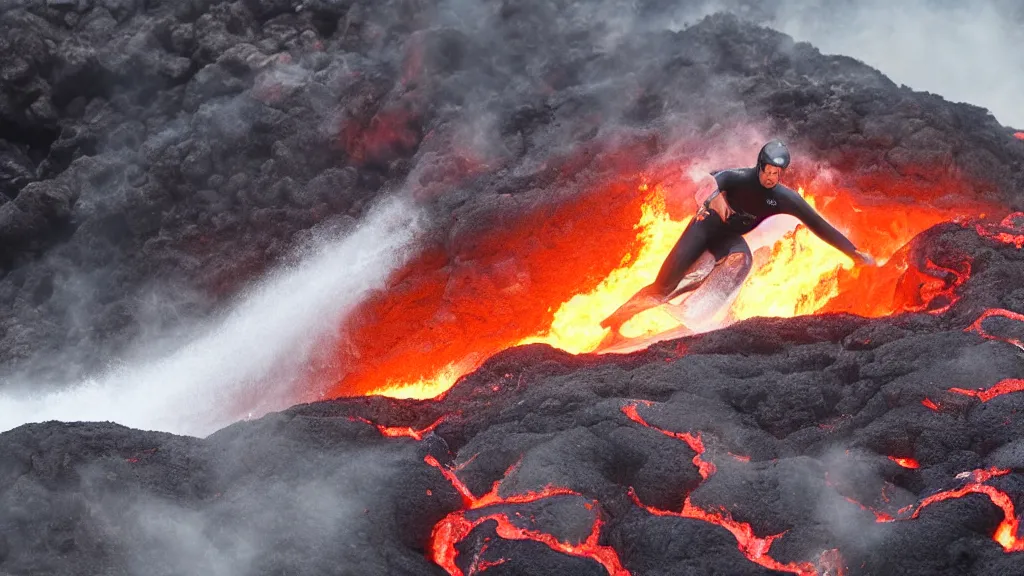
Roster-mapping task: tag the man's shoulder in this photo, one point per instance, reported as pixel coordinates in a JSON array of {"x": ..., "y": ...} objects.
[
  {"x": 732, "y": 177},
  {"x": 783, "y": 191}
]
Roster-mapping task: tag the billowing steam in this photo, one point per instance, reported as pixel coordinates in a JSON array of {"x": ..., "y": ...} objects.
[{"x": 244, "y": 363}]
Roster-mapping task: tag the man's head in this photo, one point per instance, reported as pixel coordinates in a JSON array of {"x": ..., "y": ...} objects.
[{"x": 771, "y": 161}]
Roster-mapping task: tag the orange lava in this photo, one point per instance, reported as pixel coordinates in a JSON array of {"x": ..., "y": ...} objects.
[
  {"x": 927, "y": 403},
  {"x": 976, "y": 326},
  {"x": 402, "y": 431},
  {"x": 754, "y": 547},
  {"x": 1009, "y": 231},
  {"x": 1019, "y": 135},
  {"x": 1007, "y": 533},
  {"x": 455, "y": 527},
  {"x": 905, "y": 462},
  {"x": 549, "y": 273},
  {"x": 1007, "y": 386}
]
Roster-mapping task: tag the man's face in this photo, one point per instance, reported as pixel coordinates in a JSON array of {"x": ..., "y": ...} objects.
[{"x": 770, "y": 176}]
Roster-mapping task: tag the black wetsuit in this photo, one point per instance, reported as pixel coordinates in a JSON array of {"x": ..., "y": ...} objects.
[{"x": 752, "y": 204}]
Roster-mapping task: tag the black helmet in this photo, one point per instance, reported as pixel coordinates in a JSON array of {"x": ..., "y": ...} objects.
[{"x": 774, "y": 153}]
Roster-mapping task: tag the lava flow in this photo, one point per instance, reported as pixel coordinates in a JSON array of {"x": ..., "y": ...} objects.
[
  {"x": 754, "y": 547},
  {"x": 1009, "y": 231},
  {"x": 552, "y": 273},
  {"x": 401, "y": 431},
  {"x": 1006, "y": 534},
  {"x": 905, "y": 462},
  {"x": 456, "y": 526}
]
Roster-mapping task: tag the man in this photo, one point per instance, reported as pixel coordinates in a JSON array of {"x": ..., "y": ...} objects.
[{"x": 712, "y": 246}]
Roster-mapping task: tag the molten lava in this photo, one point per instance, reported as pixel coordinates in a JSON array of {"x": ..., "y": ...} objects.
[
  {"x": 1019, "y": 135},
  {"x": 456, "y": 526},
  {"x": 1009, "y": 231},
  {"x": 905, "y": 462},
  {"x": 1007, "y": 533},
  {"x": 1007, "y": 386},
  {"x": 402, "y": 431},
  {"x": 977, "y": 325},
  {"x": 549, "y": 274}
]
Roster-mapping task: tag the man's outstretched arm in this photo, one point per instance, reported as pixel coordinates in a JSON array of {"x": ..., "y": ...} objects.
[{"x": 792, "y": 204}]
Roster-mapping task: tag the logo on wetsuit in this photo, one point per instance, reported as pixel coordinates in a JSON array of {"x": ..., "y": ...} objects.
[{"x": 771, "y": 202}]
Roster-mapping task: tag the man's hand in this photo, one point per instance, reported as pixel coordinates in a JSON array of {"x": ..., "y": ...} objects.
[
  {"x": 718, "y": 204},
  {"x": 864, "y": 258}
]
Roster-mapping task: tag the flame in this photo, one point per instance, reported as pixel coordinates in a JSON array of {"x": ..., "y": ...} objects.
[
  {"x": 803, "y": 274},
  {"x": 455, "y": 527},
  {"x": 551, "y": 274},
  {"x": 426, "y": 387},
  {"x": 576, "y": 324}
]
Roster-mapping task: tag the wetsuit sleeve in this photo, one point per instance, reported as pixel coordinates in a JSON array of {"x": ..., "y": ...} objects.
[{"x": 791, "y": 203}]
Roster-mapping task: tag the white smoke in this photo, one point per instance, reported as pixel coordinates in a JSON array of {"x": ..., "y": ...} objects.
[{"x": 252, "y": 355}]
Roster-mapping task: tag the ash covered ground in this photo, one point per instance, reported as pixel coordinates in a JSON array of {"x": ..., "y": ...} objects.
[{"x": 159, "y": 159}]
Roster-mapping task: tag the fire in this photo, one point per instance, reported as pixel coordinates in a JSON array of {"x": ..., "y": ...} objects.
[
  {"x": 551, "y": 274},
  {"x": 754, "y": 547},
  {"x": 423, "y": 388},
  {"x": 576, "y": 324},
  {"x": 803, "y": 274},
  {"x": 455, "y": 527}
]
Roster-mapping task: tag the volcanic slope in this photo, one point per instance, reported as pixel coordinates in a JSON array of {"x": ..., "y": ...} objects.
[
  {"x": 157, "y": 157},
  {"x": 813, "y": 445},
  {"x": 831, "y": 444}
]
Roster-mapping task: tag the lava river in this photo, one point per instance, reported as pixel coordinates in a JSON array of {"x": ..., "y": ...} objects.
[{"x": 551, "y": 273}]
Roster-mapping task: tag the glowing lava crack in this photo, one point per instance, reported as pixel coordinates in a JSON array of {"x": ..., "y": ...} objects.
[
  {"x": 754, "y": 547},
  {"x": 457, "y": 526}
]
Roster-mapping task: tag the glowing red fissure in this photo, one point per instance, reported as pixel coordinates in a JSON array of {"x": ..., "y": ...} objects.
[
  {"x": 754, "y": 547},
  {"x": 401, "y": 431},
  {"x": 976, "y": 326},
  {"x": 1007, "y": 533},
  {"x": 455, "y": 527},
  {"x": 905, "y": 462},
  {"x": 959, "y": 277}
]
